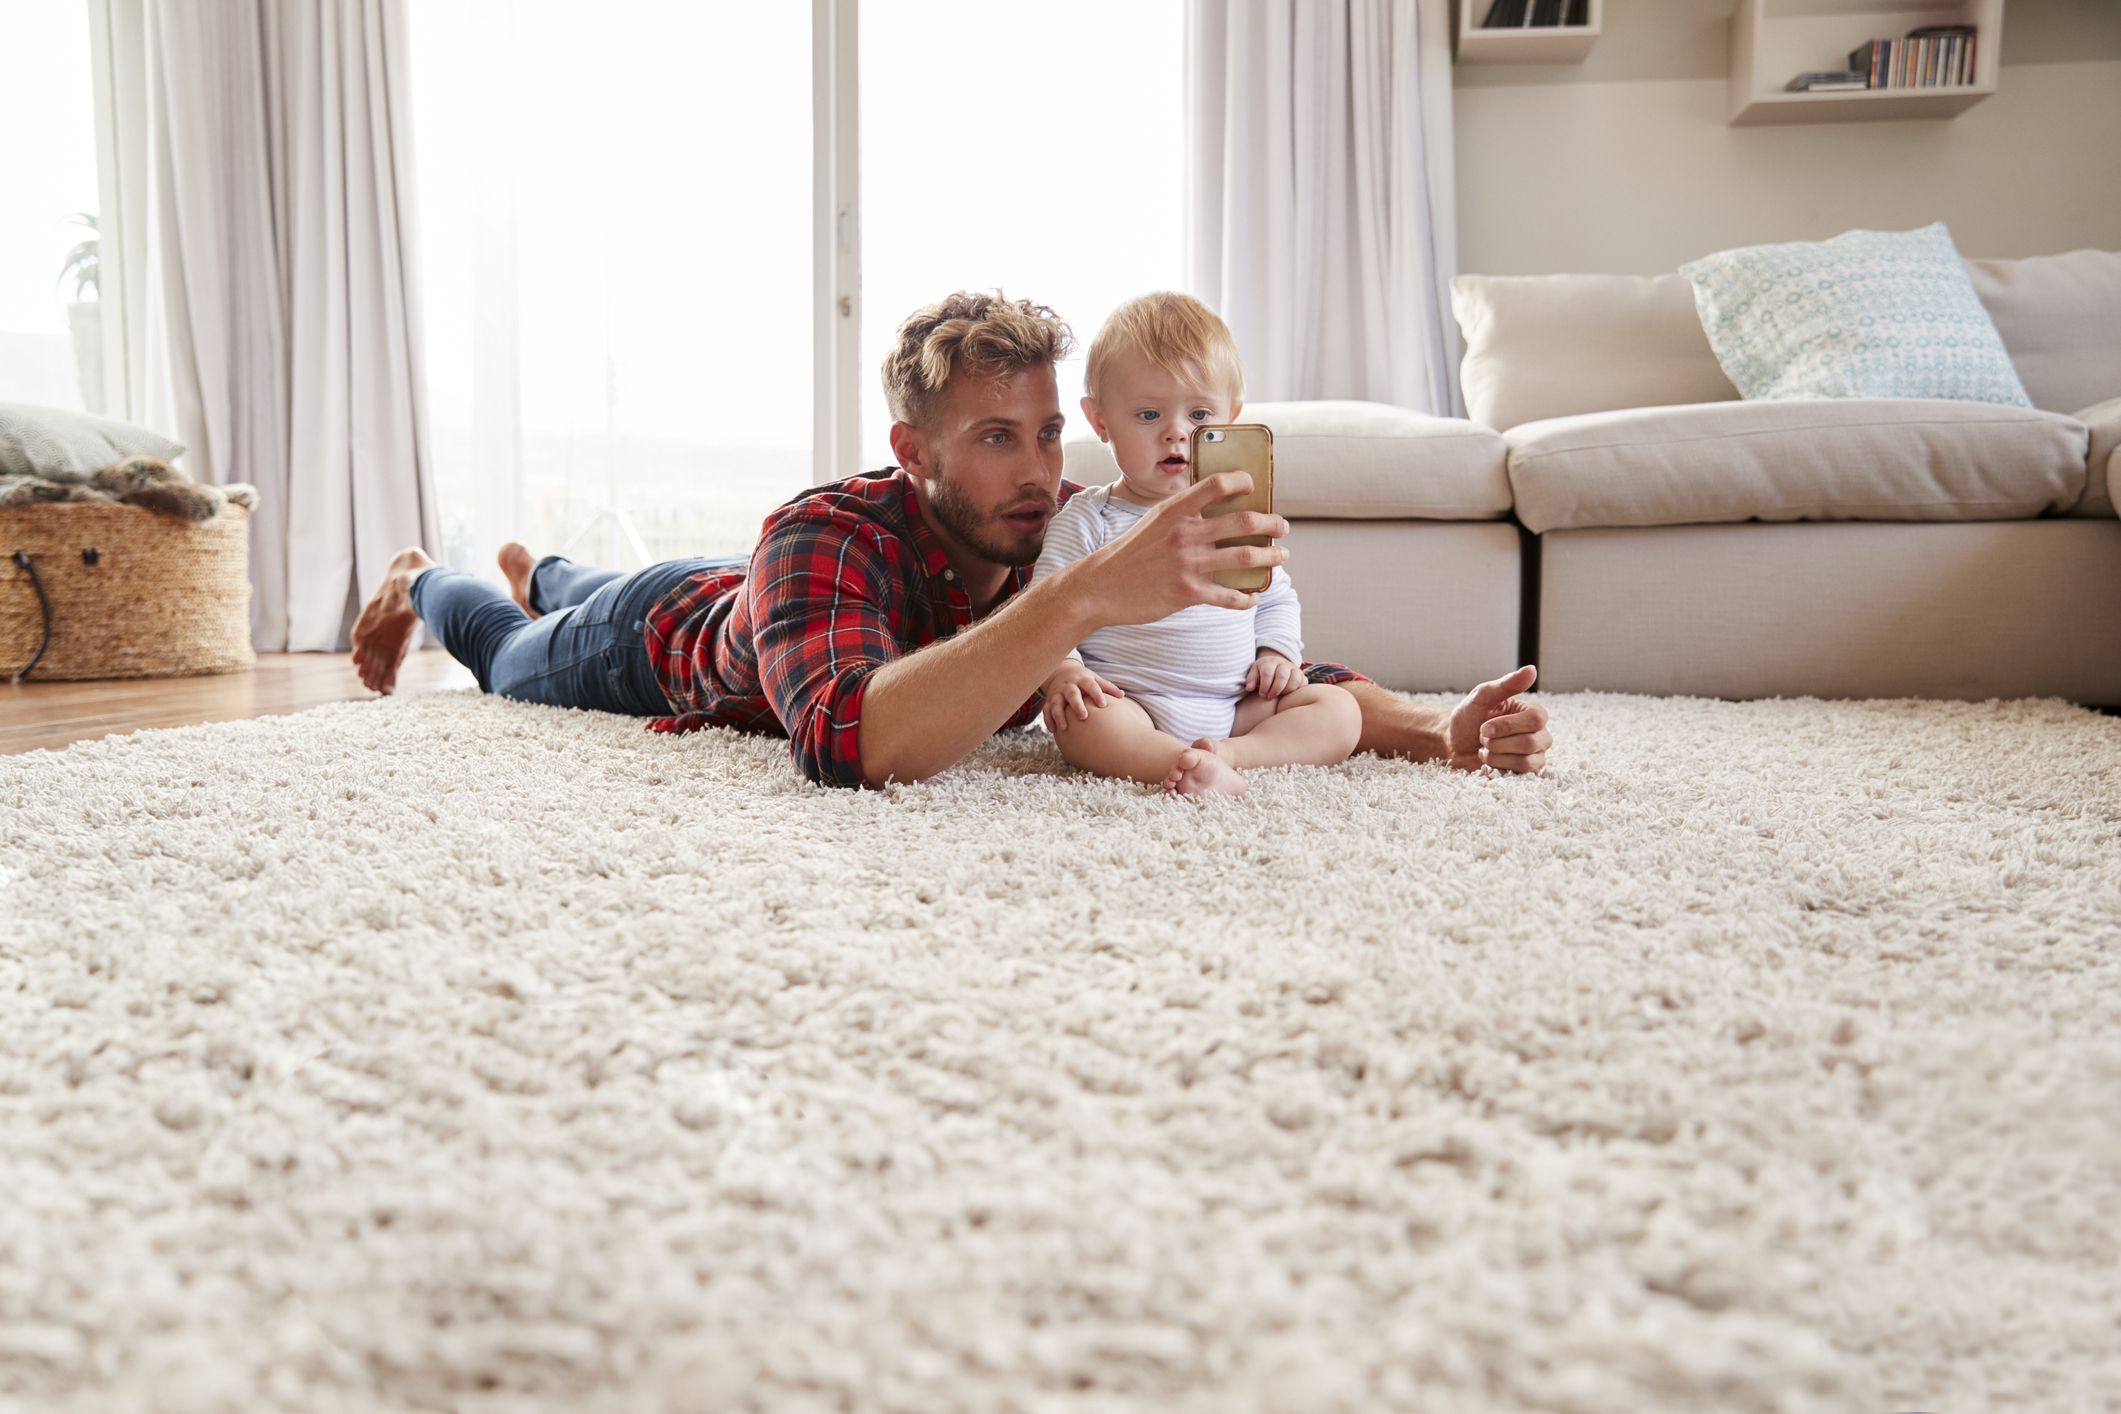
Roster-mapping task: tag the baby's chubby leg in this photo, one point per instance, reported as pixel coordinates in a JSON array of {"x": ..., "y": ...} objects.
[
  {"x": 1118, "y": 739},
  {"x": 1316, "y": 725}
]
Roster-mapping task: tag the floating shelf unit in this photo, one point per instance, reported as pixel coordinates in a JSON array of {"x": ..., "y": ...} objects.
[
  {"x": 1544, "y": 44},
  {"x": 1772, "y": 41}
]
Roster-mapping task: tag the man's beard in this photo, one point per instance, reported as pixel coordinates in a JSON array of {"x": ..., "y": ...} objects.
[{"x": 962, "y": 519}]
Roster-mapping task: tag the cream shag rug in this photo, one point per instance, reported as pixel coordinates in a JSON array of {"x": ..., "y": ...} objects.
[{"x": 448, "y": 1052}]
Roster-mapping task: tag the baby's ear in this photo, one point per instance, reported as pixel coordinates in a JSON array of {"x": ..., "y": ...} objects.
[
  {"x": 1237, "y": 412},
  {"x": 1097, "y": 420}
]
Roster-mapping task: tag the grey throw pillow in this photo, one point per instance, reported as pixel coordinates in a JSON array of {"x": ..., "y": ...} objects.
[{"x": 67, "y": 446}]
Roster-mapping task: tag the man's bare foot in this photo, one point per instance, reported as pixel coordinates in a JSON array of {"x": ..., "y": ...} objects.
[
  {"x": 1201, "y": 771},
  {"x": 517, "y": 563},
  {"x": 384, "y": 631}
]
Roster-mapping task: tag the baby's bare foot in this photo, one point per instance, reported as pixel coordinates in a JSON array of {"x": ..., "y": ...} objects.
[
  {"x": 517, "y": 563},
  {"x": 1201, "y": 771},
  {"x": 383, "y": 633}
]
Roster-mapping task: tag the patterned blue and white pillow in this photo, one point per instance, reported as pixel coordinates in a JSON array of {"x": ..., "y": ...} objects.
[{"x": 1868, "y": 314}]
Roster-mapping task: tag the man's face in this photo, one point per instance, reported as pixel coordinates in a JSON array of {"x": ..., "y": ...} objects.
[{"x": 991, "y": 464}]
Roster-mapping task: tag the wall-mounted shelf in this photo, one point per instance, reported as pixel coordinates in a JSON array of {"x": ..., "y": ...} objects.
[
  {"x": 1772, "y": 41},
  {"x": 1542, "y": 44}
]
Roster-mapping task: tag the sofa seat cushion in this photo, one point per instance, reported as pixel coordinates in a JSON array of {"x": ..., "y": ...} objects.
[
  {"x": 2102, "y": 465},
  {"x": 1361, "y": 461},
  {"x": 1819, "y": 459}
]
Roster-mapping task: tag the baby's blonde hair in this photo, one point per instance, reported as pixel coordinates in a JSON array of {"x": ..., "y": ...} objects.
[
  {"x": 976, "y": 333},
  {"x": 1175, "y": 332}
]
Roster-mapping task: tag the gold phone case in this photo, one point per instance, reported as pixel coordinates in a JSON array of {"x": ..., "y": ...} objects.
[{"x": 1244, "y": 446}]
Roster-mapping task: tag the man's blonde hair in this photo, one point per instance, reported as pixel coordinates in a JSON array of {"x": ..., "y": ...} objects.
[
  {"x": 1177, "y": 333},
  {"x": 971, "y": 332}
]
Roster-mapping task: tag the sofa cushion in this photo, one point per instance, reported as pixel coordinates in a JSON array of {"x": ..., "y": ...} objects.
[
  {"x": 1540, "y": 346},
  {"x": 1361, "y": 461},
  {"x": 1867, "y": 314},
  {"x": 1823, "y": 459},
  {"x": 60, "y": 445},
  {"x": 2103, "y": 422},
  {"x": 2058, "y": 315}
]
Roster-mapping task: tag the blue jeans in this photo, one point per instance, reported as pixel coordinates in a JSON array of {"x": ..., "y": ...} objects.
[{"x": 588, "y": 650}]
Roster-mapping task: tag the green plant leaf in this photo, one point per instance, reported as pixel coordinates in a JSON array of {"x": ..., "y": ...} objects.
[{"x": 84, "y": 265}]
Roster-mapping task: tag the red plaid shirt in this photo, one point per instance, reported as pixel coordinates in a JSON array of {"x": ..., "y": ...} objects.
[{"x": 846, "y": 578}]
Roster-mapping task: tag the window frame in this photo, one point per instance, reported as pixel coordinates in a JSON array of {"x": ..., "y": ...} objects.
[{"x": 836, "y": 238}]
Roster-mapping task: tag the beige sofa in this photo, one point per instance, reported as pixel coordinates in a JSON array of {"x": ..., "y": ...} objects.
[
  {"x": 1614, "y": 512},
  {"x": 1689, "y": 542}
]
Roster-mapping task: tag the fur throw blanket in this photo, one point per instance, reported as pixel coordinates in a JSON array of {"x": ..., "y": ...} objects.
[{"x": 148, "y": 482}]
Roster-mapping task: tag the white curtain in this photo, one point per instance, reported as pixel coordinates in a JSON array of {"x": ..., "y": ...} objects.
[
  {"x": 257, "y": 191},
  {"x": 1319, "y": 194}
]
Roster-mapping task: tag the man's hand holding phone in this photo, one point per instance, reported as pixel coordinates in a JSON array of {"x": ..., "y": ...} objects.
[{"x": 1168, "y": 561}]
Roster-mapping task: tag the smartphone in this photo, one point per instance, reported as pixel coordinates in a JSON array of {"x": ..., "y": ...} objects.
[{"x": 1245, "y": 446}]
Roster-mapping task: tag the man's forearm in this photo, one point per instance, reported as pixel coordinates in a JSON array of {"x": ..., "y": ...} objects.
[
  {"x": 1393, "y": 726},
  {"x": 923, "y": 713}
]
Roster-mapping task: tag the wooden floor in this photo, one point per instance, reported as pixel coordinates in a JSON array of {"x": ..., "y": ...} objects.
[{"x": 55, "y": 714}]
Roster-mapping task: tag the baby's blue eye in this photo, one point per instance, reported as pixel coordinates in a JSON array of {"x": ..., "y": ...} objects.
[
  {"x": 1148, "y": 414},
  {"x": 1201, "y": 414}
]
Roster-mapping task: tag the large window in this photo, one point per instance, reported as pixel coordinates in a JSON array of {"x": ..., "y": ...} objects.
[
  {"x": 615, "y": 206},
  {"x": 1035, "y": 148},
  {"x": 50, "y": 339}
]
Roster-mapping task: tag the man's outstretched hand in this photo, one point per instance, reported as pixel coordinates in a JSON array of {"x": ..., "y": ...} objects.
[{"x": 1513, "y": 731}]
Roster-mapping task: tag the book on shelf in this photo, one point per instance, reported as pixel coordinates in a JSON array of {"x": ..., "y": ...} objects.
[
  {"x": 1536, "y": 14},
  {"x": 1934, "y": 56},
  {"x": 1833, "y": 81}
]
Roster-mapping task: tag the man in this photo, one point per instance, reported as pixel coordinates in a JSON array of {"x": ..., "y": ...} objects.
[{"x": 886, "y": 624}]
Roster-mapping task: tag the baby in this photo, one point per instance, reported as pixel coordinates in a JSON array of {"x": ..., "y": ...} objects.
[{"x": 1227, "y": 681}]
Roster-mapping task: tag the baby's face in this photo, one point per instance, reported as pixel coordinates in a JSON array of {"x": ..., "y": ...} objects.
[{"x": 1148, "y": 416}]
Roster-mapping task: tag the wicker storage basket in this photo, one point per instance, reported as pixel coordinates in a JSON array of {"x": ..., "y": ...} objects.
[{"x": 132, "y": 594}]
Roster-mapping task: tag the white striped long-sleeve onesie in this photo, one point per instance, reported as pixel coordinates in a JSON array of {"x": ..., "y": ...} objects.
[{"x": 1186, "y": 670}]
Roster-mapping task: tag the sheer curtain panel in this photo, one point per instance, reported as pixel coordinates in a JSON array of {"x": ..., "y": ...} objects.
[
  {"x": 1319, "y": 194},
  {"x": 257, "y": 192}
]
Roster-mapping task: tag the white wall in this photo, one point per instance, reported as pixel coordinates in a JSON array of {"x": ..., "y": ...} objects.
[{"x": 1625, "y": 163}]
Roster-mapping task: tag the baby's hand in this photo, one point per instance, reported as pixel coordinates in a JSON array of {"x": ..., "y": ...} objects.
[
  {"x": 1070, "y": 684},
  {"x": 1273, "y": 675}
]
